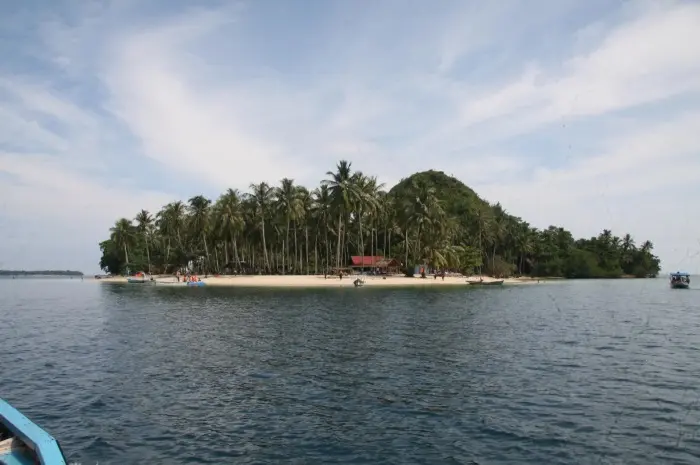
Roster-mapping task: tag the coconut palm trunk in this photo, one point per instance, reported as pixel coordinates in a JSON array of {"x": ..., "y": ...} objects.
[
  {"x": 264, "y": 245},
  {"x": 285, "y": 252},
  {"x": 306, "y": 240},
  {"x": 337, "y": 261},
  {"x": 148, "y": 256},
  {"x": 297, "y": 253}
]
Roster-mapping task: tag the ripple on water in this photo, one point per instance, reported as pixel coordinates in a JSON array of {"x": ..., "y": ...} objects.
[{"x": 573, "y": 373}]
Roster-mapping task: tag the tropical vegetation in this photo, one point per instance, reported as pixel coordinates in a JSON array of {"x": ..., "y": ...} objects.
[{"x": 427, "y": 219}]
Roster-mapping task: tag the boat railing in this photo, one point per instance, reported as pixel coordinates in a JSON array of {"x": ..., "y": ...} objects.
[{"x": 39, "y": 441}]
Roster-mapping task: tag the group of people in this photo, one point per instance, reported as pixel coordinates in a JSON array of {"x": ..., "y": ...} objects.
[{"x": 188, "y": 278}]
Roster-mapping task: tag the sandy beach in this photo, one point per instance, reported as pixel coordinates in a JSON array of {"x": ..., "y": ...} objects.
[{"x": 312, "y": 281}]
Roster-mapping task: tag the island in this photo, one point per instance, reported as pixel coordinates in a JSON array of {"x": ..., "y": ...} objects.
[
  {"x": 428, "y": 224},
  {"x": 39, "y": 273}
]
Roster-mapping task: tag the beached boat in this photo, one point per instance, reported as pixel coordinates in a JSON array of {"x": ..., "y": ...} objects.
[
  {"x": 496, "y": 282},
  {"x": 195, "y": 284},
  {"x": 679, "y": 280},
  {"x": 22, "y": 442},
  {"x": 139, "y": 278},
  {"x": 358, "y": 282}
]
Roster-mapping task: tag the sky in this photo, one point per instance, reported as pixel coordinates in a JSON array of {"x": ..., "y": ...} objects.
[{"x": 584, "y": 115}]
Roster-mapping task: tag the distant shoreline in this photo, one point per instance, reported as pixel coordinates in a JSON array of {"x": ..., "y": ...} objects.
[
  {"x": 318, "y": 281},
  {"x": 40, "y": 273}
]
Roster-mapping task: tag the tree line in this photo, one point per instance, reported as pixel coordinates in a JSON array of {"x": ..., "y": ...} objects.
[
  {"x": 427, "y": 219},
  {"x": 40, "y": 273}
]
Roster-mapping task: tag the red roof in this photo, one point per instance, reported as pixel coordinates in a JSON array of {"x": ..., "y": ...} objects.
[{"x": 359, "y": 260}]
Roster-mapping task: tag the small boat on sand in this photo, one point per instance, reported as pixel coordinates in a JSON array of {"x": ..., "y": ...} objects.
[
  {"x": 358, "y": 282},
  {"x": 22, "y": 442},
  {"x": 195, "y": 284},
  {"x": 139, "y": 278},
  {"x": 495, "y": 282},
  {"x": 680, "y": 280}
]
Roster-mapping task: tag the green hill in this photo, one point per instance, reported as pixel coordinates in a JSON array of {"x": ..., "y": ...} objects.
[
  {"x": 458, "y": 200},
  {"x": 505, "y": 244}
]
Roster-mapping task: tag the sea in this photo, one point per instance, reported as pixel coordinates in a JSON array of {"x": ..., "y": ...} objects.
[{"x": 569, "y": 372}]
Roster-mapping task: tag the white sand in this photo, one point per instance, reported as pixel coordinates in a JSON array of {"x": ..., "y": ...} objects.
[{"x": 319, "y": 281}]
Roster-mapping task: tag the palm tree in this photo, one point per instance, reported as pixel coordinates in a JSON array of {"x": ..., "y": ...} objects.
[
  {"x": 171, "y": 220},
  {"x": 426, "y": 213},
  {"x": 499, "y": 231},
  {"x": 484, "y": 221},
  {"x": 262, "y": 197},
  {"x": 322, "y": 210},
  {"x": 306, "y": 206},
  {"x": 524, "y": 243},
  {"x": 288, "y": 205},
  {"x": 230, "y": 220},
  {"x": 144, "y": 224},
  {"x": 366, "y": 202},
  {"x": 199, "y": 222},
  {"x": 343, "y": 192},
  {"x": 122, "y": 234}
]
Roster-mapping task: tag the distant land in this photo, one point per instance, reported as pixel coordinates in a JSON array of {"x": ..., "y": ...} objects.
[
  {"x": 429, "y": 220},
  {"x": 40, "y": 273}
]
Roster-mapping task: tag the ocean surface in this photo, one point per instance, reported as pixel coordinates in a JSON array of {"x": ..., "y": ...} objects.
[{"x": 587, "y": 372}]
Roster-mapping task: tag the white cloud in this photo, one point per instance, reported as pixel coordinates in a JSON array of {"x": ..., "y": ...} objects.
[
  {"x": 35, "y": 98},
  {"x": 640, "y": 183},
  {"x": 197, "y": 129},
  {"x": 62, "y": 209},
  {"x": 200, "y": 94},
  {"x": 638, "y": 62}
]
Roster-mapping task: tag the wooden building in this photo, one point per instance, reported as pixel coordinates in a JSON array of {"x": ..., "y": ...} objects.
[{"x": 375, "y": 264}]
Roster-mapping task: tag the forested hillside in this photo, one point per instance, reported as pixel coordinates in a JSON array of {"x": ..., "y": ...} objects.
[{"x": 429, "y": 218}]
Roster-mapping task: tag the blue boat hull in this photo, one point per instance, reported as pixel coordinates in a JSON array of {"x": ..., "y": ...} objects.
[
  {"x": 22, "y": 442},
  {"x": 197, "y": 284}
]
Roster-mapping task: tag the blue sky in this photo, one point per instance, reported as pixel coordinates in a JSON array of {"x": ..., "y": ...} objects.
[{"x": 579, "y": 114}]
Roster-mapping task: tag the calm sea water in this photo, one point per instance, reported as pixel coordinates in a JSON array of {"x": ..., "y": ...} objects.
[{"x": 570, "y": 373}]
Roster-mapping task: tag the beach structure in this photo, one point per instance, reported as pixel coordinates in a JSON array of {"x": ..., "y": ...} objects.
[{"x": 374, "y": 264}]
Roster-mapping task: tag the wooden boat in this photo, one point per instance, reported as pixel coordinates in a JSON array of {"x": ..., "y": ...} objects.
[
  {"x": 496, "y": 282},
  {"x": 139, "y": 278},
  {"x": 22, "y": 442},
  {"x": 679, "y": 280}
]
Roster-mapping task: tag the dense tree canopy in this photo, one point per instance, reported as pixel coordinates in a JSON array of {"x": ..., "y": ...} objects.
[{"x": 429, "y": 218}]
